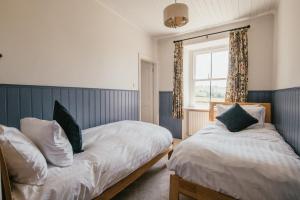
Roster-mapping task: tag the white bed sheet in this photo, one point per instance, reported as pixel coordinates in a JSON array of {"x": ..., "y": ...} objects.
[
  {"x": 111, "y": 153},
  {"x": 250, "y": 164}
]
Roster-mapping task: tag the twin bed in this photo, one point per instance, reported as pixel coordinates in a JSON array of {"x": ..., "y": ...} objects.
[
  {"x": 250, "y": 164},
  {"x": 115, "y": 155}
]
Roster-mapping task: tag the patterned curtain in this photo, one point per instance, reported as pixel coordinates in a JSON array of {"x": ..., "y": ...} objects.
[
  {"x": 237, "y": 82},
  {"x": 177, "y": 109}
]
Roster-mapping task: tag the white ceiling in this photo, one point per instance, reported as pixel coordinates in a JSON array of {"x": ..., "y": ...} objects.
[{"x": 148, "y": 14}]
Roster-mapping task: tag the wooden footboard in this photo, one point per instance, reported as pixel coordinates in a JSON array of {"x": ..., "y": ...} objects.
[
  {"x": 180, "y": 186},
  {"x": 122, "y": 184}
]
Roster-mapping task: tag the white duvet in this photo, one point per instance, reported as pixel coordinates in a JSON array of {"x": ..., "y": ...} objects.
[
  {"x": 111, "y": 152},
  {"x": 251, "y": 164}
]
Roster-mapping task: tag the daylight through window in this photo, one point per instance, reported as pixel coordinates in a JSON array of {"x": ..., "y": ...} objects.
[{"x": 210, "y": 69}]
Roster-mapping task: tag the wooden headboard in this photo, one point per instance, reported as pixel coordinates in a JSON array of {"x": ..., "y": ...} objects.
[{"x": 212, "y": 109}]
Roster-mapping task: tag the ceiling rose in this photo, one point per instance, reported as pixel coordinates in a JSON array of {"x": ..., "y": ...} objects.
[{"x": 176, "y": 15}]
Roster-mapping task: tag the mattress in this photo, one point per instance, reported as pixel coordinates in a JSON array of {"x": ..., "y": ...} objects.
[
  {"x": 250, "y": 164},
  {"x": 111, "y": 152}
]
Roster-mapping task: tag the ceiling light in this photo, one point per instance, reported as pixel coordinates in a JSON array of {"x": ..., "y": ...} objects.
[{"x": 176, "y": 15}]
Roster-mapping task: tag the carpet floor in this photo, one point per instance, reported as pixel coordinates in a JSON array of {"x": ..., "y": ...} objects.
[{"x": 153, "y": 185}]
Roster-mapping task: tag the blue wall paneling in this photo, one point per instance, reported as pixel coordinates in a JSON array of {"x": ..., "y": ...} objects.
[
  {"x": 92, "y": 107},
  {"x": 89, "y": 106},
  {"x": 165, "y": 115},
  {"x": 264, "y": 96},
  {"x": 286, "y": 115}
]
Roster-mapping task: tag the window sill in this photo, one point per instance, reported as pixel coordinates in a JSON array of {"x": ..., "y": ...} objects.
[{"x": 195, "y": 108}]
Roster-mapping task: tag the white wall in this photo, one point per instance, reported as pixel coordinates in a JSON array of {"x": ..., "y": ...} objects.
[
  {"x": 69, "y": 43},
  {"x": 260, "y": 52},
  {"x": 287, "y": 45}
]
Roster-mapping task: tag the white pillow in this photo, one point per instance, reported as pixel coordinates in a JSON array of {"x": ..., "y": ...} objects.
[
  {"x": 220, "y": 108},
  {"x": 25, "y": 162},
  {"x": 255, "y": 111},
  {"x": 50, "y": 138},
  {"x": 258, "y": 113}
]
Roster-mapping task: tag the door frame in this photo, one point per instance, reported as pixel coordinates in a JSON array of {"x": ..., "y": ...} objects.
[{"x": 141, "y": 59}]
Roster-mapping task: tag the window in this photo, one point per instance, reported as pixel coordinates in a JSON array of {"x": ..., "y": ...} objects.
[{"x": 209, "y": 76}]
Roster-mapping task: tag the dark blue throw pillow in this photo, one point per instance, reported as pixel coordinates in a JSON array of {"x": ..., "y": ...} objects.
[
  {"x": 236, "y": 118},
  {"x": 70, "y": 126}
]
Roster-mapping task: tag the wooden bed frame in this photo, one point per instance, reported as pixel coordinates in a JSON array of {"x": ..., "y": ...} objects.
[
  {"x": 5, "y": 182},
  {"x": 180, "y": 186},
  {"x": 122, "y": 184},
  {"x": 106, "y": 195}
]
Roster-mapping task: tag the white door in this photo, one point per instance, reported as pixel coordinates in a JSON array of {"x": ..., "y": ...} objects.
[{"x": 147, "y": 92}]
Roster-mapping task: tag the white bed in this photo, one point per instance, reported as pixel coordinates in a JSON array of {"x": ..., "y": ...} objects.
[
  {"x": 111, "y": 153},
  {"x": 250, "y": 164}
]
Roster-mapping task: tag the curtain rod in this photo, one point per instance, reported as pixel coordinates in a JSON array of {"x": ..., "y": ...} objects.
[{"x": 234, "y": 29}]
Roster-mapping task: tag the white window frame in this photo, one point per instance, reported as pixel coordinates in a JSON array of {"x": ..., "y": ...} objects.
[{"x": 192, "y": 70}]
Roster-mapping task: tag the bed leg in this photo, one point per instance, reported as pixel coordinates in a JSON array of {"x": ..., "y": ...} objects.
[{"x": 174, "y": 188}]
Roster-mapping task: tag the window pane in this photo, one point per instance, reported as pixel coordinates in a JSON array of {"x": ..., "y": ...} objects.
[
  {"x": 220, "y": 64},
  {"x": 218, "y": 89},
  {"x": 202, "y": 67},
  {"x": 201, "y": 92}
]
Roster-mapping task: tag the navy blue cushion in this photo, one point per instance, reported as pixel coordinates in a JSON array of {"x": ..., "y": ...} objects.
[
  {"x": 70, "y": 126},
  {"x": 236, "y": 118}
]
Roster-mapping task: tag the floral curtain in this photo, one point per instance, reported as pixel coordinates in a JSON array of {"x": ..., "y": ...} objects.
[
  {"x": 177, "y": 108},
  {"x": 237, "y": 82}
]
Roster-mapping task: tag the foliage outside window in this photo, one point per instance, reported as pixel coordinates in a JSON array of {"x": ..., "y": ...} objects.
[{"x": 209, "y": 76}]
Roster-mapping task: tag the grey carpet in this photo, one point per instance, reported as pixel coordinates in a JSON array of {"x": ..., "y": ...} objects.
[{"x": 153, "y": 185}]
